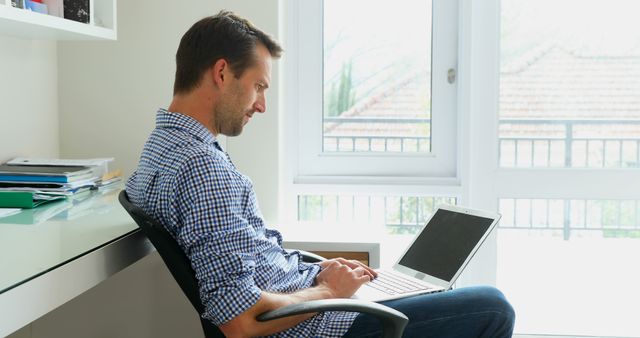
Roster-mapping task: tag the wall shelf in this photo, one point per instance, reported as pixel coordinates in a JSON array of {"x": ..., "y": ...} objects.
[{"x": 22, "y": 23}]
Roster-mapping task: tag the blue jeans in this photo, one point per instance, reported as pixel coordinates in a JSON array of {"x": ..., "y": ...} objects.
[{"x": 466, "y": 312}]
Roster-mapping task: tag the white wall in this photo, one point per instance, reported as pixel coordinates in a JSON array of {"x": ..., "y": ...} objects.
[{"x": 28, "y": 98}]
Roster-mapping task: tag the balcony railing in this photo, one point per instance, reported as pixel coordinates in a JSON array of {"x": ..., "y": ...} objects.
[
  {"x": 399, "y": 214},
  {"x": 587, "y": 143},
  {"x": 368, "y": 134},
  {"x": 614, "y": 218}
]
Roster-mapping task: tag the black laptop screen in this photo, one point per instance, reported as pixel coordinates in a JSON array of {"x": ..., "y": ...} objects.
[{"x": 445, "y": 243}]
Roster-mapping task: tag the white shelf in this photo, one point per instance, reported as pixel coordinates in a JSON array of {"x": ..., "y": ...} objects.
[{"x": 22, "y": 23}]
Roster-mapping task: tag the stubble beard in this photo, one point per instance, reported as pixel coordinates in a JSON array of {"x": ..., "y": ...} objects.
[
  {"x": 228, "y": 124},
  {"x": 229, "y": 119}
]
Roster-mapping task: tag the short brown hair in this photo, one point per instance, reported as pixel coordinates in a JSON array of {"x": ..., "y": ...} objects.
[{"x": 222, "y": 36}]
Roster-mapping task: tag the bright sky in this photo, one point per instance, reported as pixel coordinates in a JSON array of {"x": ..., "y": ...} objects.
[
  {"x": 593, "y": 26},
  {"x": 375, "y": 33}
]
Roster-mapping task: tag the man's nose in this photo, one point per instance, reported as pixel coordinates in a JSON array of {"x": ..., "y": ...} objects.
[{"x": 261, "y": 104}]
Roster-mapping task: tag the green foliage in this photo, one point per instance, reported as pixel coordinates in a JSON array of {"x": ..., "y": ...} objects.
[
  {"x": 342, "y": 95},
  {"x": 410, "y": 210},
  {"x": 310, "y": 208},
  {"x": 407, "y": 214},
  {"x": 620, "y": 233},
  {"x": 392, "y": 210},
  {"x": 402, "y": 214},
  {"x": 403, "y": 230},
  {"x": 610, "y": 213}
]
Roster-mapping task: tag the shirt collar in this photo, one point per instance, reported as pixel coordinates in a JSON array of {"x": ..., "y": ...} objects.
[{"x": 166, "y": 119}]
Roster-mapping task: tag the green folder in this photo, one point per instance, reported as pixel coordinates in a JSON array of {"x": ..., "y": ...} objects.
[
  {"x": 37, "y": 215},
  {"x": 25, "y": 199}
]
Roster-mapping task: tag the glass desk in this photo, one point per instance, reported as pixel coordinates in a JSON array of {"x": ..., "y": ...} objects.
[{"x": 51, "y": 254}]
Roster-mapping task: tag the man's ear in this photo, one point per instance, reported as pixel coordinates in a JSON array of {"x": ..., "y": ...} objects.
[{"x": 220, "y": 71}]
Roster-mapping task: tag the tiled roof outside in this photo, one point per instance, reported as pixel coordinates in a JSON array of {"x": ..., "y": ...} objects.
[
  {"x": 407, "y": 99},
  {"x": 561, "y": 84},
  {"x": 549, "y": 83}
]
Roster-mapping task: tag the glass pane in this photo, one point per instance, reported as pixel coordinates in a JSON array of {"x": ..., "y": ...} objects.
[
  {"x": 398, "y": 214},
  {"x": 573, "y": 253},
  {"x": 377, "y": 76},
  {"x": 569, "y": 84}
]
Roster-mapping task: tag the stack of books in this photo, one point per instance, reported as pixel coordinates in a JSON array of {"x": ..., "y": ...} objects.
[
  {"x": 29, "y": 182},
  {"x": 62, "y": 180},
  {"x": 99, "y": 167}
]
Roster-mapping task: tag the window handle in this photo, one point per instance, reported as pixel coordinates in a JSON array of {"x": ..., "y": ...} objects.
[{"x": 451, "y": 75}]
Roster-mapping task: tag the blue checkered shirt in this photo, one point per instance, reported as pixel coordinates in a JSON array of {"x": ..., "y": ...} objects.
[{"x": 188, "y": 183}]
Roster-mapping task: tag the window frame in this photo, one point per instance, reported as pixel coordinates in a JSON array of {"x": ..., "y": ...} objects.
[{"x": 304, "y": 107}]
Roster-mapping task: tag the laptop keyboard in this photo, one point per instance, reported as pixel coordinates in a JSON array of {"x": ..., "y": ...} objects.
[{"x": 393, "y": 284}]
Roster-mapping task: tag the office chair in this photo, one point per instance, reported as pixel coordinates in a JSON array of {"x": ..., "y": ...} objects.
[{"x": 393, "y": 322}]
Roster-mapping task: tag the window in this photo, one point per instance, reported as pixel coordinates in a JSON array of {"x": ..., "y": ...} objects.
[
  {"x": 569, "y": 87},
  {"x": 371, "y": 115},
  {"x": 377, "y": 79},
  {"x": 373, "y": 97},
  {"x": 561, "y": 252},
  {"x": 568, "y": 135},
  {"x": 541, "y": 124}
]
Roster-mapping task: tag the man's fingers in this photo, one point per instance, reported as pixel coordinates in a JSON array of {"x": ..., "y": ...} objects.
[
  {"x": 369, "y": 270},
  {"x": 341, "y": 263},
  {"x": 350, "y": 262},
  {"x": 360, "y": 271},
  {"x": 364, "y": 278}
]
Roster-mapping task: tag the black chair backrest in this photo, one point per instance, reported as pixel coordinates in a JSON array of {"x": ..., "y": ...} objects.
[{"x": 173, "y": 256}]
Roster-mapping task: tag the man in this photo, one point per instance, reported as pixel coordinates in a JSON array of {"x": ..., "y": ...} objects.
[{"x": 187, "y": 182}]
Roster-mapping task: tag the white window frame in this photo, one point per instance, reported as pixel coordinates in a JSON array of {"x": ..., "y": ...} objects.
[
  {"x": 303, "y": 97},
  {"x": 487, "y": 181}
]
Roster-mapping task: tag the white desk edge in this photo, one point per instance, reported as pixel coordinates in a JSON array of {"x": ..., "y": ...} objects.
[{"x": 34, "y": 298}]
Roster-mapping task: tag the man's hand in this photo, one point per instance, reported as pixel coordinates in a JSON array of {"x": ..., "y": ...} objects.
[
  {"x": 353, "y": 264},
  {"x": 339, "y": 278},
  {"x": 343, "y": 277}
]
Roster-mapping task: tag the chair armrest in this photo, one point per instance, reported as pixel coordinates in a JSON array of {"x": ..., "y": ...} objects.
[
  {"x": 310, "y": 257},
  {"x": 393, "y": 321}
]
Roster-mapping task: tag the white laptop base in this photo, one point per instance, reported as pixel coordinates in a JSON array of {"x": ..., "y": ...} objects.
[{"x": 392, "y": 285}]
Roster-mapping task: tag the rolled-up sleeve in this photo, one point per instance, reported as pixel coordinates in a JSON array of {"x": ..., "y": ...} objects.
[{"x": 215, "y": 234}]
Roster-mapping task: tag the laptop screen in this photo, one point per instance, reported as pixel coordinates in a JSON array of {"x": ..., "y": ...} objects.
[{"x": 445, "y": 243}]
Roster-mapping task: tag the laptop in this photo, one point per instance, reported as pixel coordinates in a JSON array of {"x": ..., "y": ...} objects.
[{"x": 436, "y": 257}]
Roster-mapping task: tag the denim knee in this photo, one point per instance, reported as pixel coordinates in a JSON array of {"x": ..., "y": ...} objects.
[{"x": 495, "y": 300}]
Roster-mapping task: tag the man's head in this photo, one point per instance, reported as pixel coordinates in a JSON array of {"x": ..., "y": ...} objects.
[{"x": 234, "y": 57}]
